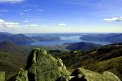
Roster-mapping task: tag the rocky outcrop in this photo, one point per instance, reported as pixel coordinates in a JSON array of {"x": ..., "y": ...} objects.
[
  {"x": 43, "y": 67},
  {"x": 2, "y": 76},
  {"x": 81, "y": 74},
  {"x": 22, "y": 75}
]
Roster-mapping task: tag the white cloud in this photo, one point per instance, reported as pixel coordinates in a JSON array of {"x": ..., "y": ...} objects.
[
  {"x": 3, "y": 23},
  {"x": 114, "y": 19},
  {"x": 27, "y": 10},
  {"x": 31, "y": 25},
  {"x": 11, "y": 24},
  {"x": 62, "y": 24},
  {"x": 11, "y": 1},
  {"x": 26, "y": 21}
]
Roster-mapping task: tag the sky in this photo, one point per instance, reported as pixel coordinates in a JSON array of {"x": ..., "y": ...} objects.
[{"x": 61, "y": 16}]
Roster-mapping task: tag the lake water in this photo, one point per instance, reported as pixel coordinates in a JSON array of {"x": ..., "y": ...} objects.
[{"x": 66, "y": 39}]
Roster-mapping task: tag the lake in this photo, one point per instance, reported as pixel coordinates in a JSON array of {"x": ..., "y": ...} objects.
[{"x": 66, "y": 39}]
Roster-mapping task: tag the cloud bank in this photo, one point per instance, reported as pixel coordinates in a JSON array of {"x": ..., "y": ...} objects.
[
  {"x": 31, "y": 25},
  {"x": 3, "y": 23},
  {"x": 11, "y": 1},
  {"x": 117, "y": 19},
  {"x": 62, "y": 24}
]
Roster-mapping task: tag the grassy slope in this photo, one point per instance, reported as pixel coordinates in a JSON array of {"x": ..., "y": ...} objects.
[
  {"x": 114, "y": 65},
  {"x": 10, "y": 62},
  {"x": 13, "y": 57},
  {"x": 82, "y": 46},
  {"x": 100, "y": 59}
]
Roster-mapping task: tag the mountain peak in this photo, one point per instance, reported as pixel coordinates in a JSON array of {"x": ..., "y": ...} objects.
[{"x": 44, "y": 67}]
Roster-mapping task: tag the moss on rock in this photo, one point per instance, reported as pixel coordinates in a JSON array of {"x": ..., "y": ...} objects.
[
  {"x": 2, "y": 76},
  {"x": 22, "y": 75}
]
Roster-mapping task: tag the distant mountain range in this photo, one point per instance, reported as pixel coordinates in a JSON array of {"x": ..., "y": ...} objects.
[
  {"x": 112, "y": 37},
  {"x": 81, "y": 46},
  {"x": 16, "y": 38},
  {"x": 22, "y": 39}
]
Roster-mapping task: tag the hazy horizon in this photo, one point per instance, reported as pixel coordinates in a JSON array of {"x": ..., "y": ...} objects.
[{"x": 66, "y": 33}]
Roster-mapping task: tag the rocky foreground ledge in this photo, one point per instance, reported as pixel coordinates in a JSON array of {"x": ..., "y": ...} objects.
[{"x": 43, "y": 67}]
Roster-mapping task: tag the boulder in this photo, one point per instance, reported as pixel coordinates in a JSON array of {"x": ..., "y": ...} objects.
[
  {"x": 81, "y": 74},
  {"x": 22, "y": 75}
]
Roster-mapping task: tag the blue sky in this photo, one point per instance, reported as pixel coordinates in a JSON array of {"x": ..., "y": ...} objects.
[{"x": 61, "y": 16}]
